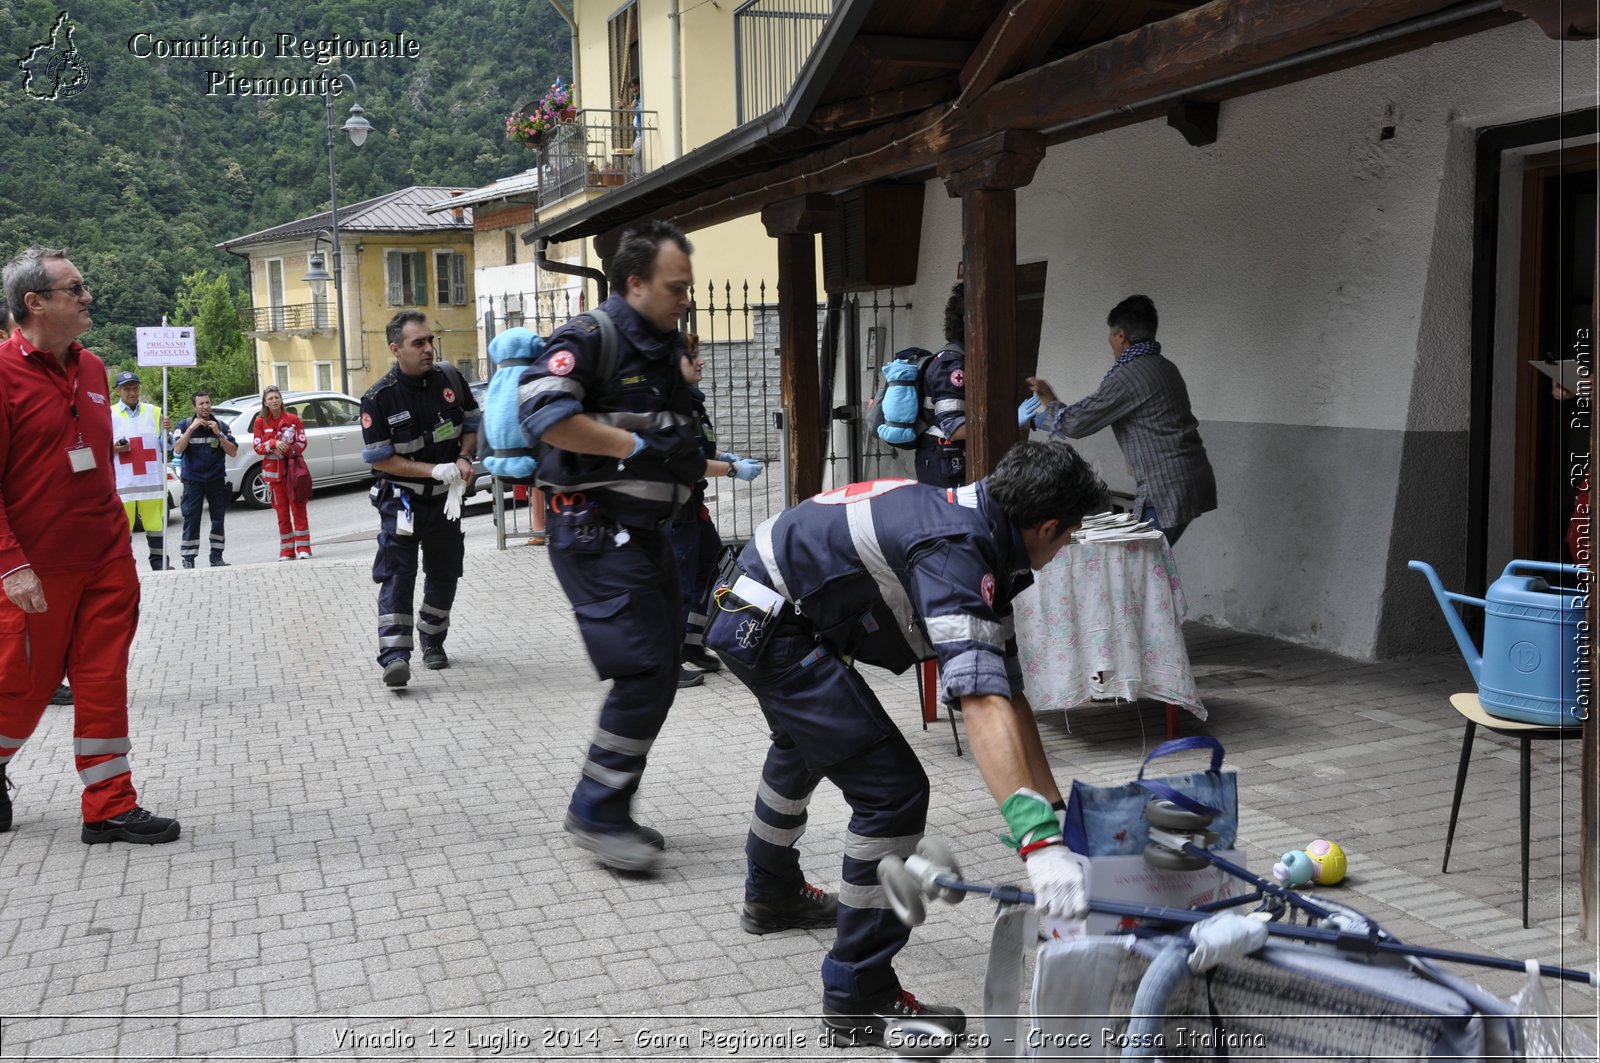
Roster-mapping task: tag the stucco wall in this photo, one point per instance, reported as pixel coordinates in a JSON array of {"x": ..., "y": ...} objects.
[{"x": 1312, "y": 269}]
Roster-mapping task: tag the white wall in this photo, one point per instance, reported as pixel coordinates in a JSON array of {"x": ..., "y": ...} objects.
[{"x": 1313, "y": 279}]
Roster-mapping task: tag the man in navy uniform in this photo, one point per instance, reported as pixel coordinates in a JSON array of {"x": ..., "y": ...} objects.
[
  {"x": 206, "y": 445},
  {"x": 889, "y": 573},
  {"x": 942, "y": 446},
  {"x": 419, "y": 427},
  {"x": 621, "y": 460}
]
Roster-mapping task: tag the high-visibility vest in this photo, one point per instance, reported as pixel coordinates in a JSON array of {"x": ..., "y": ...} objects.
[{"x": 140, "y": 473}]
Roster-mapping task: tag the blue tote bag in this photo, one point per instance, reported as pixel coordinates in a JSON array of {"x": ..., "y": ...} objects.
[{"x": 1109, "y": 820}]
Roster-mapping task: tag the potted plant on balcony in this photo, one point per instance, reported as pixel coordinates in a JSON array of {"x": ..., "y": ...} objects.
[{"x": 534, "y": 125}]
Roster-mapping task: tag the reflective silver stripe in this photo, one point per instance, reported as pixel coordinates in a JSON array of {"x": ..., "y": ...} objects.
[
  {"x": 637, "y": 421},
  {"x": 192, "y": 542},
  {"x": 534, "y": 388},
  {"x": 967, "y": 496},
  {"x": 854, "y": 896},
  {"x": 697, "y": 618},
  {"x": 871, "y": 850},
  {"x": 411, "y": 447},
  {"x": 218, "y": 540},
  {"x": 648, "y": 490},
  {"x": 959, "y": 628},
  {"x": 101, "y": 772},
  {"x": 394, "y": 642},
  {"x": 628, "y": 747},
  {"x": 93, "y": 747},
  {"x": 7, "y": 742},
  {"x": 864, "y": 536},
  {"x": 387, "y": 619},
  {"x": 776, "y": 835},
  {"x": 769, "y": 556},
  {"x": 428, "y": 627},
  {"x": 950, "y": 406},
  {"x": 605, "y": 776},
  {"x": 442, "y": 614},
  {"x": 786, "y": 806}
]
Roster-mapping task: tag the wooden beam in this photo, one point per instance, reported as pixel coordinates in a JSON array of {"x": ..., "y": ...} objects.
[
  {"x": 940, "y": 52},
  {"x": 880, "y": 106},
  {"x": 795, "y": 224},
  {"x": 989, "y": 249},
  {"x": 1007, "y": 159},
  {"x": 1200, "y": 45},
  {"x": 1017, "y": 40}
]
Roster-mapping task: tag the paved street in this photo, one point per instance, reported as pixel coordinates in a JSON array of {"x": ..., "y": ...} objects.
[{"x": 371, "y": 874}]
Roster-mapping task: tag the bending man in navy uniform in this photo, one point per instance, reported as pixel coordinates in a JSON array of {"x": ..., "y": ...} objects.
[
  {"x": 622, "y": 459},
  {"x": 942, "y": 446},
  {"x": 888, "y": 573},
  {"x": 419, "y": 425}
]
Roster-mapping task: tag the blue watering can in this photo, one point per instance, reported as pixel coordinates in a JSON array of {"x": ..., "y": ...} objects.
[{"x": 1535, "y": 643}]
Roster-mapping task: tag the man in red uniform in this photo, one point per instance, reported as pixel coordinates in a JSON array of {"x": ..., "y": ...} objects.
[{"x": 70, "y": 601}]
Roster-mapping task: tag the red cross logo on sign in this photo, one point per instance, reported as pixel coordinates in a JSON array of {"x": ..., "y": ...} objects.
[{"x": 139, "y": 456}]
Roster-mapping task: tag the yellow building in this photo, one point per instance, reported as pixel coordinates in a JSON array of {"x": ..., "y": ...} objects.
[
  {"x": 393, "y": 256},
  {"x": 654, "y": 80}
]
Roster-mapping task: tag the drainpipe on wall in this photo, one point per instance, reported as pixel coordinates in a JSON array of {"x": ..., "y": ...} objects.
[
  {"x": 675, "y": 16},
  {"x": 542, "y": 259},
  {"x": 361, "y": 318}
]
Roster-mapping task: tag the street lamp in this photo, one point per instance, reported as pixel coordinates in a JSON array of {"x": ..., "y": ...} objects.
[{"x": 357, "y": 126}]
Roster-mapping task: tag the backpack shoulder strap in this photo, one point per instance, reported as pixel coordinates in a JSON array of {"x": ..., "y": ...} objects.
[{"x": 609, "y": 342}]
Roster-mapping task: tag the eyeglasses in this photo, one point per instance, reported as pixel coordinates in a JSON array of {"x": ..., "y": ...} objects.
[{"x": 78, "y": 290}]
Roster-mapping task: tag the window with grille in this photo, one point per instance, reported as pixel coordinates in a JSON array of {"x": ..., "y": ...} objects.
[{"x": 406, "y": 276}]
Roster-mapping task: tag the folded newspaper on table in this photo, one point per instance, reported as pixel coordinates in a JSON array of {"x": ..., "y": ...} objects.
[{"x": 1114, "y": 528}]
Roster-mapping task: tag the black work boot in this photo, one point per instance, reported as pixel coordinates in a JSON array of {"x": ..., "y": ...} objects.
[
  {"x": 808, "y": 908},
  {"x": 877, "y": 1025},
  {"x": 135, "y": 825},
  {"x": 5, "y": 800},
  {"x": 435, "y": 658},
  {"x": 397, "y": 673},
  {"x": 701, "y": 658}
]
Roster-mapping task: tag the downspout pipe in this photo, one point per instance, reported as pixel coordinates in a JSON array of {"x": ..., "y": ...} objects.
[
  {"x": 542, "y": 259},
  {"x": 675, "y": 16}
]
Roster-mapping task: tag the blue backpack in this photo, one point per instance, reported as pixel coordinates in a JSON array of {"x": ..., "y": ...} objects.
[
  {"x": 895, "y": 413},
  {"x": 507, "y": 453}
]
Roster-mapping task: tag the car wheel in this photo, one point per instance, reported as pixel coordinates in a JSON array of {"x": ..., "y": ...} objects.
[{"x": 255, "y": 492}]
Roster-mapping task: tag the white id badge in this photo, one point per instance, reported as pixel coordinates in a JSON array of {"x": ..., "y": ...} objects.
[
  {"x": 81, "y": 457},
  {"x": 405, "y": 522}
]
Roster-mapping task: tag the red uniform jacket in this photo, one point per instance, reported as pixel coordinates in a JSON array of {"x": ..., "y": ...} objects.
[{"x": 288, "y": 428}]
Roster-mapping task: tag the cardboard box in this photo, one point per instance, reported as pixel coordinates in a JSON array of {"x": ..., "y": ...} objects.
[{"x": 1131, "y": 880}]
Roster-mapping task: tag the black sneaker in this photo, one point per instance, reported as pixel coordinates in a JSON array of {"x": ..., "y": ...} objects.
[
  {"x": 188, "y": 562},
  {"x": 626, "y": 850},
  {"x": 434, "y": 657},
  {"x": 808, "y": 909},
  {"x": 701, "y": 658},
  {"x": 688, "y": 677},
  {"x": 5, "y": 800},
  {"x": 652, "y": 837},
  {"x": 217, "y": 562},
  {"x": 397, "y": 673},
  {"x": 877, "y": 1026},
  {"x": 62, "y": 696},
  {"x": 155, "y": 564},
  {"x": 135, "y": 825}
]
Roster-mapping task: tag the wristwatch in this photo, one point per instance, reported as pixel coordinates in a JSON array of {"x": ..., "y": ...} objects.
[{"x": 732, "y": 468}]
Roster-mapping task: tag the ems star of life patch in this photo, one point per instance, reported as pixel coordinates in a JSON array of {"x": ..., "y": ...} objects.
[{"x": 561, "y": 363}]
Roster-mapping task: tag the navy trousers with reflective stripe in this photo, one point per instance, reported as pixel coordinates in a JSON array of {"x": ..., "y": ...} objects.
[
  {"x": 214, "y": 495},
  {"x": 827, "y": 723},
  {"x": 626, "y": 600},
  {"x": 395, "y": 571}
]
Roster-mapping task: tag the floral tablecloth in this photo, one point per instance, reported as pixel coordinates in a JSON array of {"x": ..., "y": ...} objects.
[{"x": 1103, "y": 620}]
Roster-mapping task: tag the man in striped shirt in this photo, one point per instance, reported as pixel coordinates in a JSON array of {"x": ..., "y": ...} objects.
[{"x": 1144, "y": 400}]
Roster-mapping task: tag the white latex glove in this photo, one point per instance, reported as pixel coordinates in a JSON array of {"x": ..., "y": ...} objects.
[
  {"x": 1225, "y": 936},
  {"x": 447, "y": 473},
  {"x": 452, "y": 501},
  {"x": 1059, "y": 880}
]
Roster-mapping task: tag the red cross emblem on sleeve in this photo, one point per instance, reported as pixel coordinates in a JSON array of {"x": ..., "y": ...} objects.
[{"x": 139, "y": 456}]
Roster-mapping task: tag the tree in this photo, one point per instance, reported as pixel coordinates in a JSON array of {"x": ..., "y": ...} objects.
[{"x": 226, "y": 358}]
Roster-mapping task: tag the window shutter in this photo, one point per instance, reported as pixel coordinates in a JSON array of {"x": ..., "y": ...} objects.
[
  {"x": 395, "y": 279},
  {"x": 458, "y": 279},
  {"x": 441, "y": 277},
  {"x": 419, "y": 277}
]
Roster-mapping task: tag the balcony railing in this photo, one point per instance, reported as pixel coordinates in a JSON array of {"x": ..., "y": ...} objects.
[
  {"x": 601, "y": 149},
  {"x": 772, "y": 39},
  {"x": 300, "y": 317}
]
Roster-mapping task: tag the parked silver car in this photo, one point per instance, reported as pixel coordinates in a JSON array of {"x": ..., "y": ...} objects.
[{"x": 333, "y": 441}]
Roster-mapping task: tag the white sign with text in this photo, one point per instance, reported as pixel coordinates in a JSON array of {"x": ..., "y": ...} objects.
[{"x": 166, "y": 346}]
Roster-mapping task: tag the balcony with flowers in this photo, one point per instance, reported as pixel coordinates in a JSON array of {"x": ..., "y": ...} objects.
[{"x": 589, "y": 148}]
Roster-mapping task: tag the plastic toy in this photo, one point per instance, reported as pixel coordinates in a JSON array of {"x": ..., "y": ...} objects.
[{"x": 1322, "y": 862}]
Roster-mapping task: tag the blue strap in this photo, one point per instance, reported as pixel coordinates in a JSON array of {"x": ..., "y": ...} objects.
[
  {"x": 1179, "y": 745},
  {"x": 1178, "y": 797}
]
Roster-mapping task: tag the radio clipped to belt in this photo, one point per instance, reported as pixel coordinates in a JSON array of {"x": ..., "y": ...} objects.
[
  {"x": 744, "y": 616},
  {"x": 577, "y": 527}
]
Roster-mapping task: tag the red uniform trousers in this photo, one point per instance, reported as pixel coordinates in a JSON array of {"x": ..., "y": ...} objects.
[
  {"x": 84, "y": 634},
  {"x": 293, "y": 531}
]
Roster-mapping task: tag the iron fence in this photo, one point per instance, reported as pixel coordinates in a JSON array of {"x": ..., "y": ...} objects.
[
  {"x": 293, "y": 318},
  {"x": 865, "y": 332},
  {"x": 772, "y": 39}
]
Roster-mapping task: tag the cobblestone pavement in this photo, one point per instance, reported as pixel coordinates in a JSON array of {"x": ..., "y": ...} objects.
[{"x": 371, "y": 874}]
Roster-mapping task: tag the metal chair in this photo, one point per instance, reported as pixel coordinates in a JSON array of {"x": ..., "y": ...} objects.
[{"x": 1525, "y": 733}]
